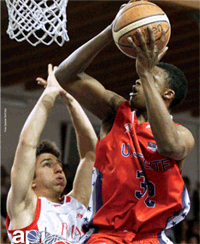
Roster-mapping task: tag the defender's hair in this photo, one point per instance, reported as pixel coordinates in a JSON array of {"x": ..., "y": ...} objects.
[
  {"x": 176, "y": 81},
  {"x": 46, "y": 146}
]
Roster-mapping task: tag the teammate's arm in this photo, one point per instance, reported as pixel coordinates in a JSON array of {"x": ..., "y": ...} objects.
[
  {"x": 173, "y": 141},
  {"x": 86, "y": 143},
  {"x": 21, "y": 197}
]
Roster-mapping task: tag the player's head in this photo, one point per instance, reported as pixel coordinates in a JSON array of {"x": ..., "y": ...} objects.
[
  {"x": 49, "y": 175},
  {"x": 177, "y": 81},
  {"x": 46, "y": 146},
  {"x": 170, "y": 83}
]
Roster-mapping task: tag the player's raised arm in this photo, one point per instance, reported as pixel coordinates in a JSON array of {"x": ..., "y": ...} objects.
[
  {"x": 21, "y": 198},
  {"x": 81, "y": 58},
  {"x": 86, "y": 143},
  {"x": 87, "y": 90},
  {"x": 160, "y": 96}
]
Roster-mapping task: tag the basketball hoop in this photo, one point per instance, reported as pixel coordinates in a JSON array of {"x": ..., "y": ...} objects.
[{"x": 43, "y": 21}]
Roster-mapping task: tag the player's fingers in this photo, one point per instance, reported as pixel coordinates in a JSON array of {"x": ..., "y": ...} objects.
[
  {"x": 161, "y": 55},
  {"x": 141, "y": 40},
  {"x": 122, "y": 6},
  {"x": 162, "y": 40},
  {"x": 55, "y": 68},
  {"x": 130, "y": 40},
  {"x": 50, "y": 68},
  {"x": 134, "y": 46},
  {"x": 41, "y": 81},
  {"x": 151, "y": 39}
]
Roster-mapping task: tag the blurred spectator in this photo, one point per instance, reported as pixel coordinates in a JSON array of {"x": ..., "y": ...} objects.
[
  {"x": 195, "y": 201},
  {"x": 4, "y": 236},
  {"x": 194, "y": 228},
  {"x": 187, "y": 231},
  {"x": 5, "y": 185},
  {"x": 5, "y": 181},
  {"x": 181, "y": 231},
  {"x": 194, "y": 239},
  {"x": 187, "y": 181}
]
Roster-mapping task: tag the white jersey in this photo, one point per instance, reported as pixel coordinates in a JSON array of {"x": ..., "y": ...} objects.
[{"x": 52, "y": 222}]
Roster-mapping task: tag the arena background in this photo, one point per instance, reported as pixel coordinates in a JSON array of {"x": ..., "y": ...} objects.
[{"x": 21, "y": 63}]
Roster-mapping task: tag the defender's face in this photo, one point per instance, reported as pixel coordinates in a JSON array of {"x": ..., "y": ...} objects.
[
  {"x": 137, "y": 98},
  {"x": 49, "y": 173}
]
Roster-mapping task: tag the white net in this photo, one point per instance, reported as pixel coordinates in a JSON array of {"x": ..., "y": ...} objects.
[{"x": 37, "y": 21}]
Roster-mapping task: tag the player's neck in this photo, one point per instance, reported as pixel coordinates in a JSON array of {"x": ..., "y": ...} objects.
[
  {"x": 141, "y": 117},
  {"x": 52, "y": 197}
]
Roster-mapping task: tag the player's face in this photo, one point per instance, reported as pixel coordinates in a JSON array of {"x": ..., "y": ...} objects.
[
  {"x": 137, "y": 98},
  {"x": 49, "y": 173}
]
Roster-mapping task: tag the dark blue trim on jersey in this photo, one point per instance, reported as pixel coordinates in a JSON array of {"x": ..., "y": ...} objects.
[
  {"x": 99, "y": 200},
  {"x": 177, "y": 217},
  {"x": 183, "y": 197}
]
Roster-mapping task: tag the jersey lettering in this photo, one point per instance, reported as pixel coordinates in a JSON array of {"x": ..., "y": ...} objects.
[
  {"x": 64, "y": 228},
  {"x": 125, "y": 152},
  {"x": 75, "y": 232},
  {"x": 139, "y": 155},
  {"x": 160, "y": 165}
]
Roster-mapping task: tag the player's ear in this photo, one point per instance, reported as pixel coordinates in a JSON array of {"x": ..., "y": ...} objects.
[
  {"x": 33, "y": 184},
  {"x": 168, "y": 94}
]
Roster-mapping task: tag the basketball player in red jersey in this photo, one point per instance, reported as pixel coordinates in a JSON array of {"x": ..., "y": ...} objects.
[
  {"x": 37, "y": 180},
  {"x": 140, "y": 152}
]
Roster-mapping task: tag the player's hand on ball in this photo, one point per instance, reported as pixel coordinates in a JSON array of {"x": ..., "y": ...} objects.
[{"x": 148, "y": 54}]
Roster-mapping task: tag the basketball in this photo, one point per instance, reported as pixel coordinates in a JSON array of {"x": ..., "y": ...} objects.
[{"x": 139, "y": 14}]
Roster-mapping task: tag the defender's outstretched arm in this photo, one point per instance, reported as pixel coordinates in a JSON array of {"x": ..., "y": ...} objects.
[
  {"x": 86, "y": 143},
  {"x": 21, "y": 198}
]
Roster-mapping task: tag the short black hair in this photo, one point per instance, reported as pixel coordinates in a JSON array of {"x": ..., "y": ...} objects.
[
  {"x": 47, "y": 146},
  {"x": 176, "y": 81}
]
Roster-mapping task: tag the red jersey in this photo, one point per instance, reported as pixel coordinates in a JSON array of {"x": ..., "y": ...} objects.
[{"x": 137, "y": 189}]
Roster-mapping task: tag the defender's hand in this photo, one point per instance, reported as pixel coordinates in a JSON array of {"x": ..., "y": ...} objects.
[
  {"x": 67, "y": 98},
  {"x": 51, "y": 83}
]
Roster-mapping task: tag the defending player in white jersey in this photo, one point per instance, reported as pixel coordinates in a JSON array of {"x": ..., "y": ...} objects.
[{"x": 36, "y": 211}]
